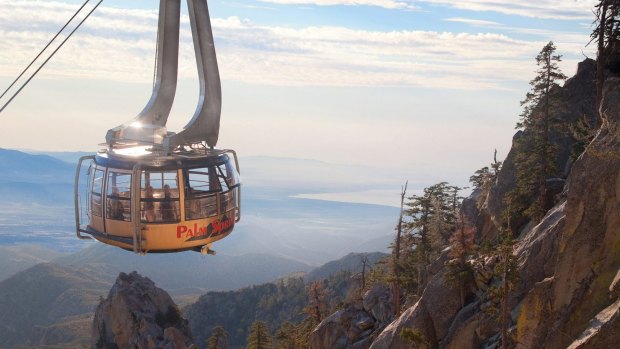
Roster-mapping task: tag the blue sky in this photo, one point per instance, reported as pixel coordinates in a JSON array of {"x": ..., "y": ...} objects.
[{"x": 429, "y": 88}]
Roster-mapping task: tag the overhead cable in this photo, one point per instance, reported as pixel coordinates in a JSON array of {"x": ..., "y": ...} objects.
[
  {"x": 43, "y": 50},
  {"x": 53, "y": 53}
]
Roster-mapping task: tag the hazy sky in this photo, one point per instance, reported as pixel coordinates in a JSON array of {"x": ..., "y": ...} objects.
[{"x": 428, "y": 88}]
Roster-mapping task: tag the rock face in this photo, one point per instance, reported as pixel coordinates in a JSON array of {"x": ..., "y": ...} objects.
[
  {"x": 577, "y": 101},
  {"x": 569, "y": 263},
  {"x": 589, "y": 245},
  {"x": 357, "y": 324},
  {"x": 431, "y": 316},
  {"x": 138, "y": 315}
]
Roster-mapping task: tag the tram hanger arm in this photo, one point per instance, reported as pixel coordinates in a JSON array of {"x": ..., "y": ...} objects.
[
  {"x": 149, "y": 126},
  {"x": 205, "y": 124}
]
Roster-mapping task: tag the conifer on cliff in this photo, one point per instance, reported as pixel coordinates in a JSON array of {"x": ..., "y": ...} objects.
[{"x": 536, "y": 160}]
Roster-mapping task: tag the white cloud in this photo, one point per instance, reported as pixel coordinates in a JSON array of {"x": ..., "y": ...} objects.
[
  {"x": 473, "y": 22},
  {"x": 558, "y": 9},
  {"x": 119, "y": 44},
  {"x": 389, "y": 4}
]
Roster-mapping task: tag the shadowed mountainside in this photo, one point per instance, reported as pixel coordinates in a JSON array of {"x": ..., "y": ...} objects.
[
  {"x": 274, "y": 303},
  {"x": 37, "y": 298}
]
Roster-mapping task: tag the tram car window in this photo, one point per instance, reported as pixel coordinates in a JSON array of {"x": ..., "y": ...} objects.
[{"x": 118, "y": 205}]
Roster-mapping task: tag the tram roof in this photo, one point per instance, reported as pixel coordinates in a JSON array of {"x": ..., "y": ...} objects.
[{"x": 127, "y": 158}]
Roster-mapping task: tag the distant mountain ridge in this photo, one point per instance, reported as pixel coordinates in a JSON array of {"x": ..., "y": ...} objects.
[
  {"x": 26, "y": 178},
  {"x": 187, "y": 272},
  {"x": 351, "y": 262},
  {"x": 16, "y": 165},
  {"x": 71, "y": 157},
  {"x": 14, "y": 259}
]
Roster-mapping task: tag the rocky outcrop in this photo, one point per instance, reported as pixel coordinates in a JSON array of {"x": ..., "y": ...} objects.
[
  {"x": 138, "y": 315},
  {"x": 357, "y": 324},
  {"x": 416, "y": 317},
  {"x": 432, "y": 315},
  {"x": 569, "y": 263},
  {"x": 603, "y": 331},
  {"x": 589, "y": 246},
  {"x": 577, "y": 101}
]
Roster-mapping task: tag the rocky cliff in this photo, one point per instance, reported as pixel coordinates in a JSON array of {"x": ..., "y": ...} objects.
[
  {"x": 138, "y": 315},
  {"x": 568, "y": 295},
  {"x": 358, "y": 323}
]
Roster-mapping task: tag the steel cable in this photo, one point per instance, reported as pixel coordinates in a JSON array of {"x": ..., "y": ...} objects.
[
  {"x": 52, "y": 55},
  {"x": 43, "y": 50}
]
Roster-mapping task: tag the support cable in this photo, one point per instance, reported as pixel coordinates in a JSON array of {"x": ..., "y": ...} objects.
[
  {"x": 52, "y": 55},
  {"x": 43, "y": 50}
]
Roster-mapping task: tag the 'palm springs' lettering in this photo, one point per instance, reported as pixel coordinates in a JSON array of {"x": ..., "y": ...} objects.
[{"x": 213, "y": 229}]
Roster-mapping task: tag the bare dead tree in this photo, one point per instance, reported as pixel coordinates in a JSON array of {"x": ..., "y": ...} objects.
[
  {"x": 364, "y": 262},
  {"x": 396, "y": 251}
]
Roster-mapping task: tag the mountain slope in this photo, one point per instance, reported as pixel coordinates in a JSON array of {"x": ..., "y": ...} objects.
[
  {"x": 351, "y": 262},
  {"x": 274, "y": 303},
  {"x": 15, "y": 258},
  {"x": 42, "y": 295}
]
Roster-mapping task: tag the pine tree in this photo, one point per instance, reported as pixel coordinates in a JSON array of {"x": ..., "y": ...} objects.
[
  {"x": 317, "y": 301},
  {"x": 536, "y": 160},
  {"x": 606, "y": 34},
  {"x": 303, "y": 333},
  {"x": 431, "y": 222},
  {"x": 480, "y": 177},
  {"x": 484, "y": 178},
  {"x": 583, "y": 132},
  {"x": 259, "y": 337},
  {"x": 218, "y": 339},
  {"x": 506, "y": 271},
  {"x": 460, "y": 272},
  {"x": 285, "y": 337}
]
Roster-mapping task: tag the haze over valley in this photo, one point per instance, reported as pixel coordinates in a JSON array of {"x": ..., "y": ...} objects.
[{"x": 36, "y": 205}]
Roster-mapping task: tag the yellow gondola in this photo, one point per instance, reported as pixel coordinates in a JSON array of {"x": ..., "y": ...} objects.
[
  {"x": 151, "y": 203},
  {"x": 152, "y": 190}
]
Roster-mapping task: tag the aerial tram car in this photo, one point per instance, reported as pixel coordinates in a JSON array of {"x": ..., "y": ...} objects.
[{"x": 152, "y": 190}]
